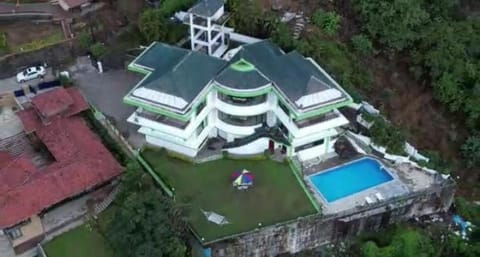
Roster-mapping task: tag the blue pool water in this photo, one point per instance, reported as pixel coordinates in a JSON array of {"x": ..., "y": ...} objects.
[{"x": 350, "y": 178}]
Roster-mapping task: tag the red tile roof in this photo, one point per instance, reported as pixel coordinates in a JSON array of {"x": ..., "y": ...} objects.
[
  {"x": 81, "y": 163},
  {"x": 61, "y": 101}
]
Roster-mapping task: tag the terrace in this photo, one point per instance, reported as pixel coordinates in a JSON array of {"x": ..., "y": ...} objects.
[{"x": 276, "y": 197}]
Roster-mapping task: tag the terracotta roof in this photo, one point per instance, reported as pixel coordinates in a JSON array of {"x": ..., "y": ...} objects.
[
  {"x": 81, "y": 163},
  {"x": 5, "y": 157},
  {"x": 61, "y": 101}
]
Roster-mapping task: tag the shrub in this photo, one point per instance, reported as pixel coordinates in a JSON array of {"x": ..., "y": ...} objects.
[
  {"x": 98, "y": 49},
  {"x": 85, "y": 39},
  {"x": 3, "y": 41},
  {"x": 329, "y": 22},
  {"x": 471, "y": 150},
  {"x": 362, "y": 44},
  {"x": 437, "y": 162},
  {"x": 385, "y": 134}
]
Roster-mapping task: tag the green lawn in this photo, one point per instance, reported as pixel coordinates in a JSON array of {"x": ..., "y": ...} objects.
[
  {"x": 275, "y": 197},
  {"x": 81, "y": 242}
]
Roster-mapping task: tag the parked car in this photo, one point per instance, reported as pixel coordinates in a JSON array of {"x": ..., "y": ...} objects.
[{"x": 31, "y": 73}]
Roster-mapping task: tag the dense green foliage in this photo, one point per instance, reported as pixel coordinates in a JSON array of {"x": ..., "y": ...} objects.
[
  {"x": 329, "y": 22},
  {"x": 362, "y": 44},
  {"x": 3, "y": 41},
  {"x": 438, "y": 163},
  {"x": 471, "y": 150},
  {"x": 85, "y": 39},
  {"x": 146, "y": 223},
  {"x": 98, "y": 49},
  {"x": 385, "y": 134},
  {"x": 152, "y": 25},
  {"x": 395, "y": 23},
  {"x": 169, "y": 7},
  {"x": 249, "y": 18}
]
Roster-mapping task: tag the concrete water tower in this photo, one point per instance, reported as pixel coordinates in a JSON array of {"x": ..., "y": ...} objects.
[{"x": 207, "y": 30}]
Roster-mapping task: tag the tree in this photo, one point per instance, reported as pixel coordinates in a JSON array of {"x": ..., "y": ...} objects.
[
  {"x": 146, "y": 223},
  {"x": 385, "y": 134},
  {"x": 362, "y": 44},
  {"x": 396, "y": 23},
  {"x": 329, "y": 22},
  {"x": 152, "y": 25},
  {"x": 471, "y": 150},
  {"x": 85, "y": 39},
  {"x": 282, "y": 36},
  {"x": 98, "y": 49}
]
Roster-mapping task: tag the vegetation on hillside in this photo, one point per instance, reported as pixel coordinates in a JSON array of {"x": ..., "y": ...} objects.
[{"x": 146, "y": 223}]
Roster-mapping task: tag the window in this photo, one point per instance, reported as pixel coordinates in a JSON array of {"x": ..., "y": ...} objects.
[
  {"x": 14, "y": 233},
  {"x": 201, "y": 106},
  {"x": 284, "y": 108},
  {"x": 309, "y": 145},
  {"x": 243, "y": 101},
  {"x": 201, "y": 126},
  {"x": 242, "y": 120}
]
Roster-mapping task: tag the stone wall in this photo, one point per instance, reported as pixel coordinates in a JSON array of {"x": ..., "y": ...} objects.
[
  {"x": 314, "y": 231},
  {"x": 54, "y": 55}
]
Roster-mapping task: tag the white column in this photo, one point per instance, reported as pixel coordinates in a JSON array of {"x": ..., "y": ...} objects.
[
  {"x": 192, "y": 32},
  {"x": 209, "y": 37}
]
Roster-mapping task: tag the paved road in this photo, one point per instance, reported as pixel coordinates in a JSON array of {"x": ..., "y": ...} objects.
[
  {"x": 55, "y": 10},
  {"x": 106, "y": 91},
  {"x": 11, "y": 84}
]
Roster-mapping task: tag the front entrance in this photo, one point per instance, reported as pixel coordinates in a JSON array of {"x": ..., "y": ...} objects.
[{"x": 271, "y": 146}]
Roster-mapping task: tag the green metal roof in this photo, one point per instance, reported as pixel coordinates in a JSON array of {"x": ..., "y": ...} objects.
[
  {"x": 183, "y": 73},
  {"x": 292, "y": 73},
  {"x": 241, "y": 75},
  {"x": 178, "y": 72},
  {"x": 207, "y": 8}
]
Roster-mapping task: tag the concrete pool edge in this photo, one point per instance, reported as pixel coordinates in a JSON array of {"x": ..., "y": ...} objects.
[{"x": 318, "y": 194}]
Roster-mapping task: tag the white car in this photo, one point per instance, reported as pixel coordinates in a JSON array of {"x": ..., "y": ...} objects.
[{"x": 31, "y": 73}]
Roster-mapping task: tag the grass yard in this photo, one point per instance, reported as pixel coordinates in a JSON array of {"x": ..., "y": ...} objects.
[
  {"x": 82, "y": 241},
  {"x": 275, "y": 197}
]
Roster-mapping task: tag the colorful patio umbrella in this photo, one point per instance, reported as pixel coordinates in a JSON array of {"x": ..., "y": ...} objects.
[{"x": 242, "y": 179}]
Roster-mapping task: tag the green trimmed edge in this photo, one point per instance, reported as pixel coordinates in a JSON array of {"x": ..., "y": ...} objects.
[
  {"x": 242, "y": 65},
  {"x": 154, "y": 175},
  {"x": 296, "y": 173}
]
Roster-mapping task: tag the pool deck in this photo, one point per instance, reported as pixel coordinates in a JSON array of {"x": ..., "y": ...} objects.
[{"x": 406, "y": 179}]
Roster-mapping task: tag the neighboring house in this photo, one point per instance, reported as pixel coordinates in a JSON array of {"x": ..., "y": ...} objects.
[
  {"x": 69, "y": 5},
  {"x": 77, "y": 163}
]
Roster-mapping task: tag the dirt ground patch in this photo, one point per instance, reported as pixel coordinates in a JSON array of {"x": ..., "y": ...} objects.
[{"x": 24, "y": 32}]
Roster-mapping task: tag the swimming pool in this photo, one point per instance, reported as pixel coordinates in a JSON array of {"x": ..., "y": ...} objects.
[{"x": 350, "y": 178}]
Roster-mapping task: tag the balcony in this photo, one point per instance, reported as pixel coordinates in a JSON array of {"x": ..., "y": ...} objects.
[
  {"x": 162, "y": 119},
  {"x": 315, "y": 120},
  {"x": 251, "y": 106},
  {"x": 242, "y": 121}
]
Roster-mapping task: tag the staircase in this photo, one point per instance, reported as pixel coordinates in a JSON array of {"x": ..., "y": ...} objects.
[
  {"x": 271, "y": 132},
  {"x": 6, "y": 249},
  {"x": 100, "y": 207}
]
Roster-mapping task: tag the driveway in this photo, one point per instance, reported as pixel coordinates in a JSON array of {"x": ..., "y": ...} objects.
[
  {"x": 106, "y": 91},
  {"x": 10, "y": 84}
]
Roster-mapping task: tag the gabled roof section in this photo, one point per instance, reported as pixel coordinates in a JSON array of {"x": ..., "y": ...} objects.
[
  {"x": 206, "y": 8},
  {"x": 241, "y": 75},
  {"x": 177, "y": 81},
  {"x": 292, "y": 73},
  {"x": 160, "y": 57}
]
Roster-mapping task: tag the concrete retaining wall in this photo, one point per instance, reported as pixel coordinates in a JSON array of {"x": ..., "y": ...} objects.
[{"x": 312, "y": 232}]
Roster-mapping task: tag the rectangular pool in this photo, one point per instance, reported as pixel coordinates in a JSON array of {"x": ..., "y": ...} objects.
[{"x": 350, "y": 178}]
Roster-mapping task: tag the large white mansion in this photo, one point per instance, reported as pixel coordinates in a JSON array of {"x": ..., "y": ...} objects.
[{"x": 256, "y": 97}]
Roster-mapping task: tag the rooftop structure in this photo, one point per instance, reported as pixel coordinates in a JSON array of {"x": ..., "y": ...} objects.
[{"x": 81, "y": 162}]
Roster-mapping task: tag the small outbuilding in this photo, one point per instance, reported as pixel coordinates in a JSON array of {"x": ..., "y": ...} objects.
[{"x": 69, "y": 5}]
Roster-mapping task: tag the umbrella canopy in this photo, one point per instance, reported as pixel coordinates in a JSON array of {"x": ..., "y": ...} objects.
[{"x": 242, "y": 178}]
